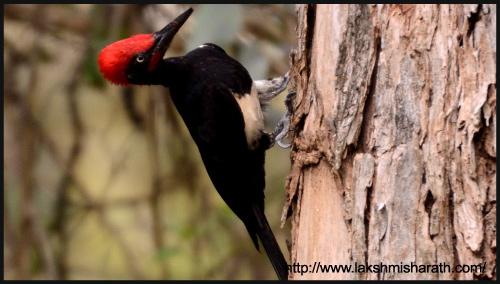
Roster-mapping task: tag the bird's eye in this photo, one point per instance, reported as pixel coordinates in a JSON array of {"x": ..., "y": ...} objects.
[{"x": 140, "y": 58}]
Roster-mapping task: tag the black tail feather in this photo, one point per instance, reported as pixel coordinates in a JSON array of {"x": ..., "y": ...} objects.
[{"x": 272, "y": 248}]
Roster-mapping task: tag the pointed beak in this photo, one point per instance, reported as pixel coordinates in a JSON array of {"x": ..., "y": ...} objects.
[{"x": 164, "y": 37}]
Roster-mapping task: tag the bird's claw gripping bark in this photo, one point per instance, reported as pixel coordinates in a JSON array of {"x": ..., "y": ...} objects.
[
  {"x": 279, "y": 133},
  {"x": 268, "y": 89}
]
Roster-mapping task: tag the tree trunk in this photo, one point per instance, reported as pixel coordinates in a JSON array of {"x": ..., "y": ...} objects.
[{"x": 394, "y": 141}]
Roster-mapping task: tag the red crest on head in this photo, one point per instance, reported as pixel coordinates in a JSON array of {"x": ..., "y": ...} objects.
[{"x": 115, "y": 58}]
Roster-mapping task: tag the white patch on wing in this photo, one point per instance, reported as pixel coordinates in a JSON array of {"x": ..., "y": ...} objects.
[{"x": 252, "y": 114}]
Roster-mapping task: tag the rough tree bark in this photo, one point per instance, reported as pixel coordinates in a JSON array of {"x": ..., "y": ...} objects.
[{"x": 394, "y": 139}]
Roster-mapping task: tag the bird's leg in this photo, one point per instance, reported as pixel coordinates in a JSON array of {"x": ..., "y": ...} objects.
[
  {"x": 270, "y": 88},
  {"x": 284, "y": 125},
  {"x": 267, "y": 90}
]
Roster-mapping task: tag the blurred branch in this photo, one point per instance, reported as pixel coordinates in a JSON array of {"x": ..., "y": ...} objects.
[
  {"x": 236, "y": 253},
  {"x": 32, "y": 233},
  {"x": 129, "y": 102},
  {"x": 56, "y": 17},
  {"x": 155, "y": 200},
  {"x": 67, "y": 179},
  {"x": 120, "y": 240}
]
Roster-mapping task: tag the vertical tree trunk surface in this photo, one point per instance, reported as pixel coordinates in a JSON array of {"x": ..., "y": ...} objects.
[{"x": 394, "y": 140}]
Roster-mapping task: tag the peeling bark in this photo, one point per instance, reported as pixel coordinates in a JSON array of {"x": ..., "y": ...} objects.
[{"x": 394, "y": 139}]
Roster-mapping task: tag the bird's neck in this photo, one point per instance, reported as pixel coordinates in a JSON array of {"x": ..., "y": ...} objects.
[{"x": 168, "y": 72}]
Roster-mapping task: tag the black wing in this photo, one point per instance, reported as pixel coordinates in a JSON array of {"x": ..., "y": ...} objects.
[{"x": 236, "y": 172}]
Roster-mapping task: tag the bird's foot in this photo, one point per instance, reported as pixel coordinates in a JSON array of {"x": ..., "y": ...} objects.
[
  {"x": 270, "y": 88},
  {"x": 281, "y": 130}
]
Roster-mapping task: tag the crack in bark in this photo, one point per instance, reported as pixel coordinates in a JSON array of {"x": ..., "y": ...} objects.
[
  {"x": 311, "y": 21},
  {"x": 473, "y": 19}
]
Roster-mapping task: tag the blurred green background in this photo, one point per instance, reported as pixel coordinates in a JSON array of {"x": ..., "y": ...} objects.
[{"x": 104, "y": 182}]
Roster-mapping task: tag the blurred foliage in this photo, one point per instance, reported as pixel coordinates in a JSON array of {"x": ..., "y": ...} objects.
[{"x": 104, "y": 182}]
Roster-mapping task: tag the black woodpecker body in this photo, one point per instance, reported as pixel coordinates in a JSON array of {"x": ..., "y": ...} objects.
[{"x": 219, "y": 103}]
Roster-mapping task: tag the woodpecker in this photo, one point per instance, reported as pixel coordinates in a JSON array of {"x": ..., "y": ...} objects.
[{"x": 222, "y": 108}]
